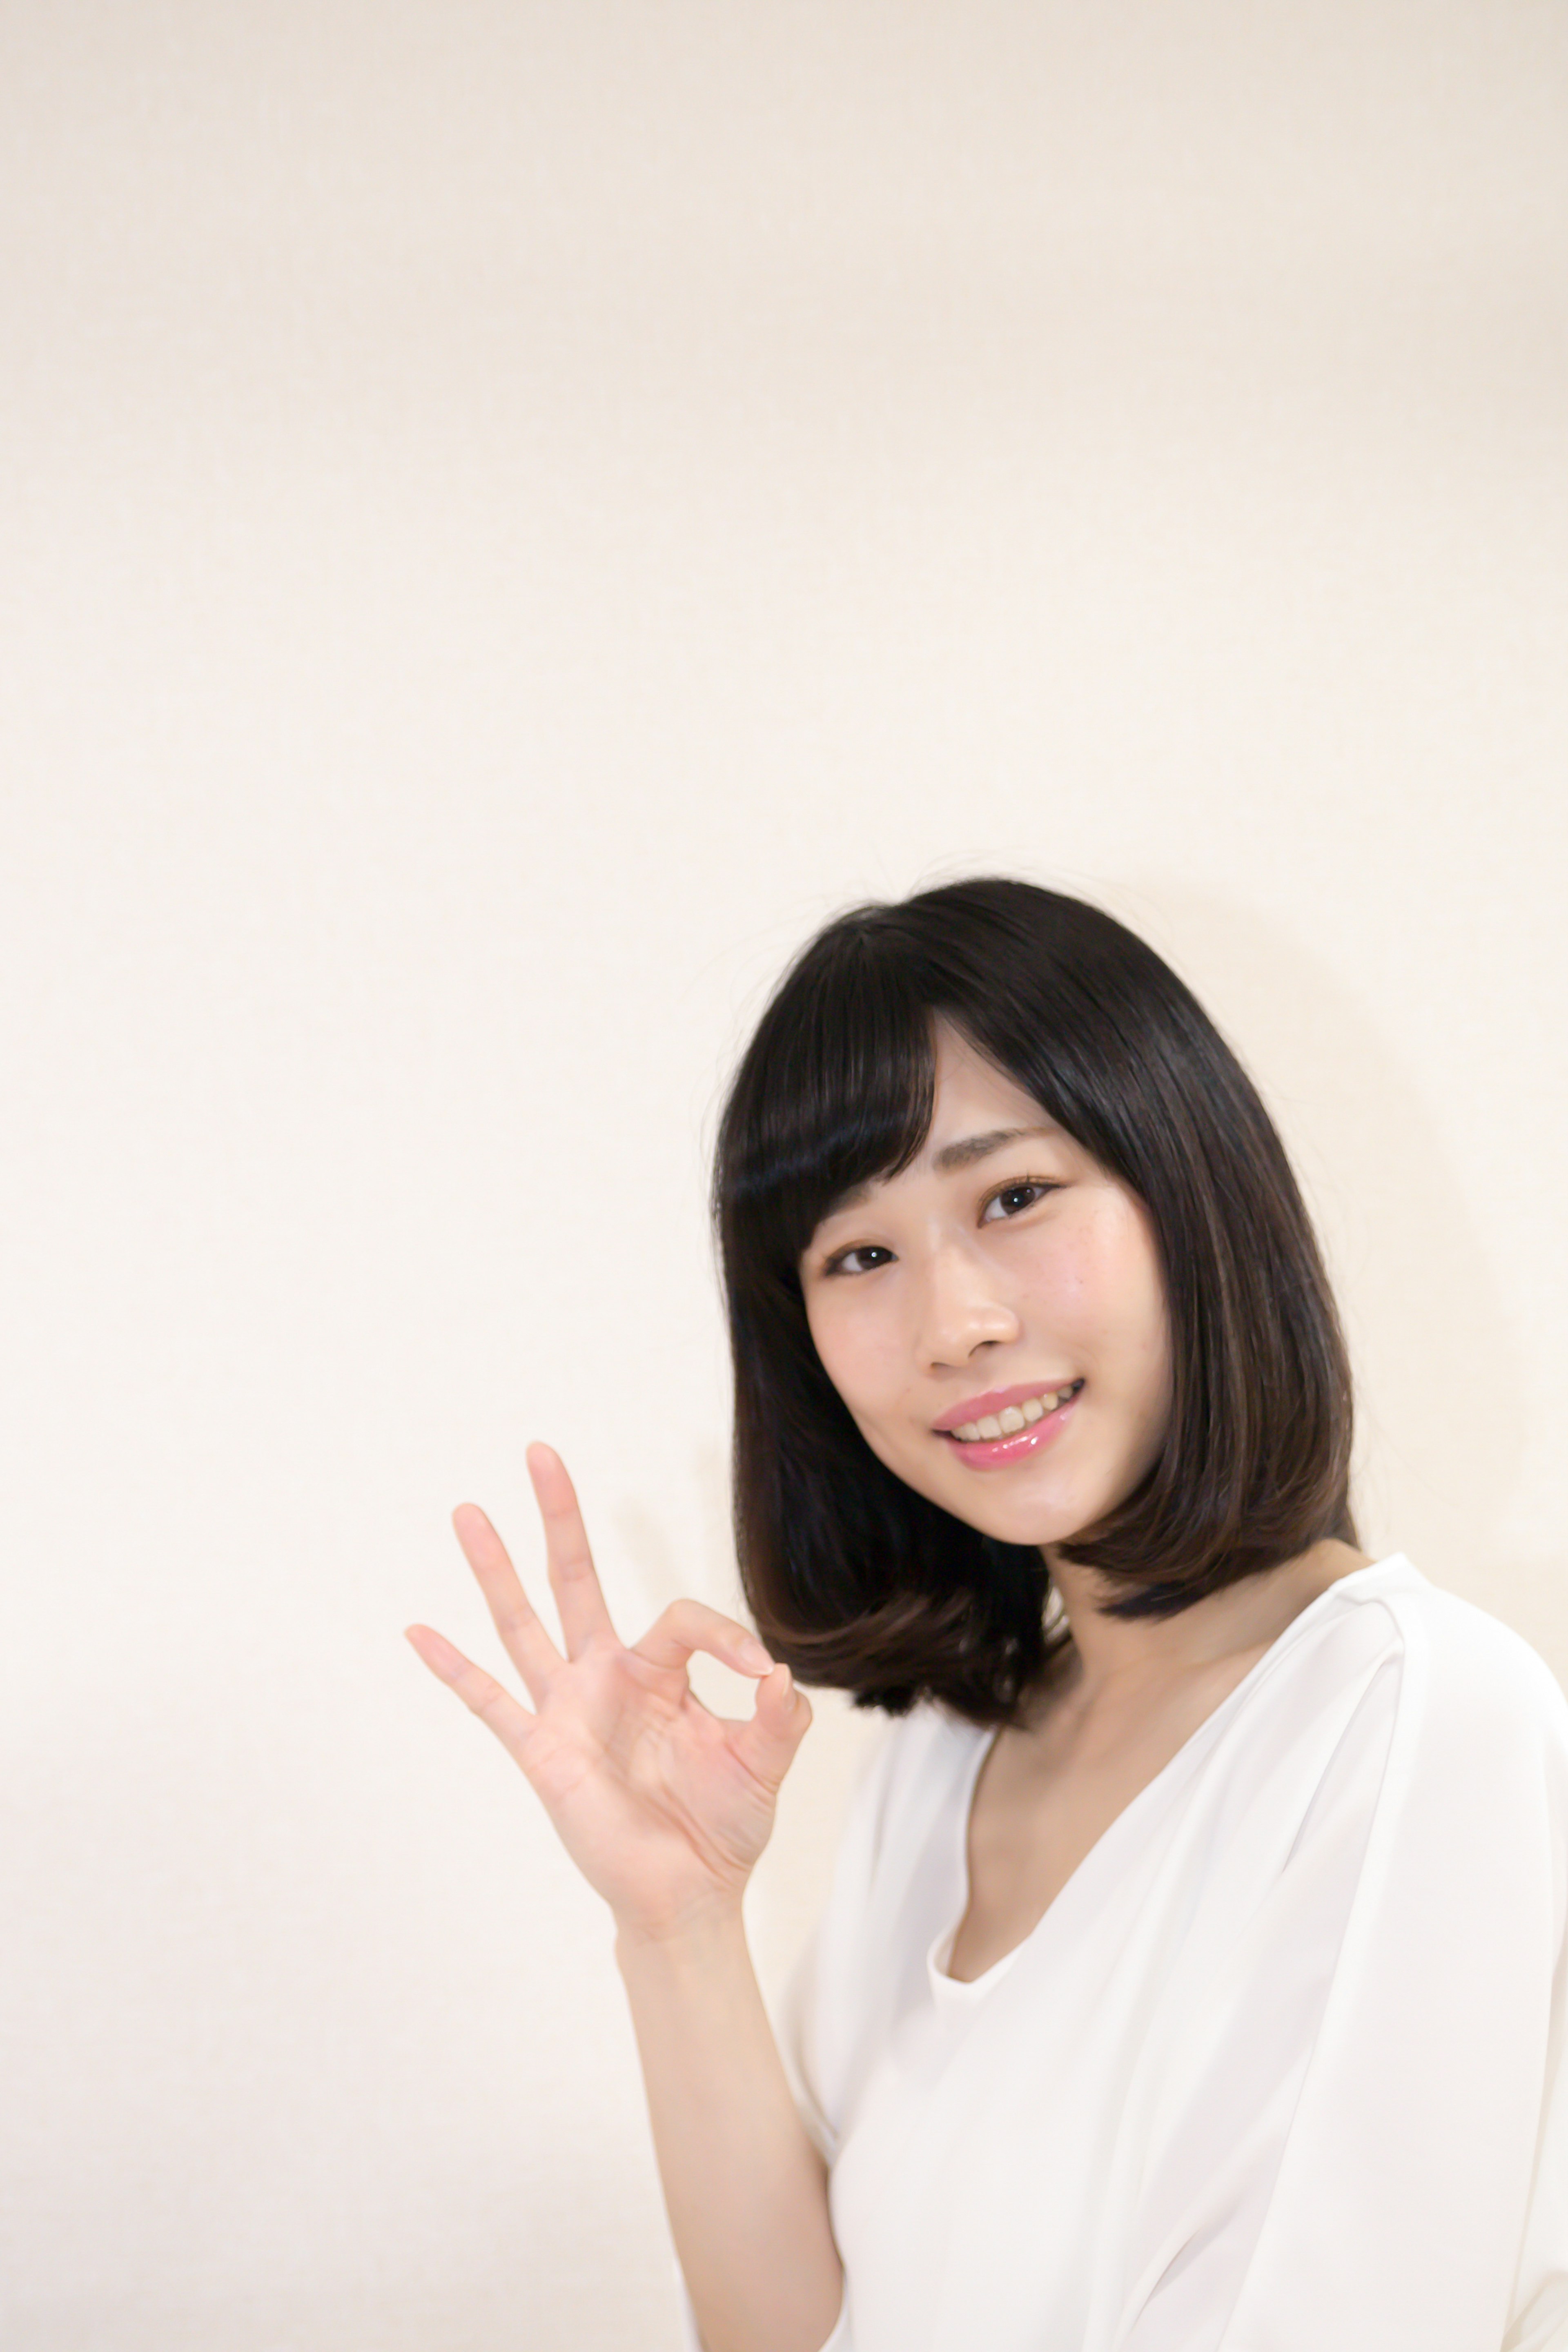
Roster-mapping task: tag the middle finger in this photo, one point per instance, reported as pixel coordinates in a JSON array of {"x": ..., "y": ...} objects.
[{"x": 584, "y": 1618}]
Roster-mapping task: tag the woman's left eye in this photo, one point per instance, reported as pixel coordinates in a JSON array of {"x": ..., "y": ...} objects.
[{"x": 1013, "y": 1199}]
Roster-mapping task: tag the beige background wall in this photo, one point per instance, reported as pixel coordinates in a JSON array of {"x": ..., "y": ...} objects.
[{"x": 511, "y": 515}]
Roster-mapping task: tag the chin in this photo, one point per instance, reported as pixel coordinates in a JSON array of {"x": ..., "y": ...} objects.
[
  {"x": 1019, "y": 1524},
  {"x": 1024, "y": 1519}
]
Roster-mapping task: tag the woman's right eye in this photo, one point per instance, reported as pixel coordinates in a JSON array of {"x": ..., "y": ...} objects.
[{"x": 843, "y": 1264}]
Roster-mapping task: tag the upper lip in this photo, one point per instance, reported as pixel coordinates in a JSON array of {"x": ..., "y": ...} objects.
[{"x": 997, "y": 1401}]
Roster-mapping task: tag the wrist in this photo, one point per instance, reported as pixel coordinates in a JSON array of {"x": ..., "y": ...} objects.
[{"x": 693, "y": 1936}]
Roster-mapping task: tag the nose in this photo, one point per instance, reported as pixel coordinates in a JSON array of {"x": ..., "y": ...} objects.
[{"x": 962, "y": 1310}]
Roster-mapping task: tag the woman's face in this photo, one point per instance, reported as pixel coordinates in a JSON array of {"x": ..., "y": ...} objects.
[{"x": 993, "y": 1316}]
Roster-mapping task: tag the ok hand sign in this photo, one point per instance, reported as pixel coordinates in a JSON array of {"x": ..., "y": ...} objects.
[{"x": 663, "y": 1806}]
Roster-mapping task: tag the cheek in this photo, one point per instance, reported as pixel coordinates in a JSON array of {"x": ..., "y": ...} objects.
[
  {"x": 849, "y": 1353},
  {"x": 1145, "y": 1325},
  {"x": 1101, "y": 1286}
]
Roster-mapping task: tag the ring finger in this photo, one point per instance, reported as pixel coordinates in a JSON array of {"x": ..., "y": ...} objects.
[{"x": 522, "y": 1633}]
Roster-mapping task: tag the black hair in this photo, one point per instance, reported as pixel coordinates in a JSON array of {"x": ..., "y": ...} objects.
[{"x": 854, "y": 1579}]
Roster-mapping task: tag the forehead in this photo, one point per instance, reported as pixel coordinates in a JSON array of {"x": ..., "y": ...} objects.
[
  {"x": 976, "y": 1110},
  {"x": 971, "y": 1089}
]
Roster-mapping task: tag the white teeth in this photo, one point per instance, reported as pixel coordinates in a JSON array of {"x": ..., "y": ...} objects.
[{"x": 1016, "y": 1416}]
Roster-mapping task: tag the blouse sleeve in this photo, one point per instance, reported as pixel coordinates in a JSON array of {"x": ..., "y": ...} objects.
[{"x": 1367, "y": 2146}]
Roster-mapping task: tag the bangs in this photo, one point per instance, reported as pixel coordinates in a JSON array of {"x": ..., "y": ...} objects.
[{"x": 839, "y": 1087}]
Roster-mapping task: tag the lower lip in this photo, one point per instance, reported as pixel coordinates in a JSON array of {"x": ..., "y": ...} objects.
[{"x": 995, "y": 1453}]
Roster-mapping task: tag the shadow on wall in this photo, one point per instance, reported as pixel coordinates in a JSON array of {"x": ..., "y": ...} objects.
[{"x": 1420, "y": 1301}]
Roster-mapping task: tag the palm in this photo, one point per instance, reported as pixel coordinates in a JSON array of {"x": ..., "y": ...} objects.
[{"x": 663, "y": 1805}]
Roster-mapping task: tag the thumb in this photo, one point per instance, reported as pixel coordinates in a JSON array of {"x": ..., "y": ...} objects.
[{"x": 781, "y": 1721}]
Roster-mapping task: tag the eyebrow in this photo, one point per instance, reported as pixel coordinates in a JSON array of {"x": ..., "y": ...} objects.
[{"x": 952, "y": 1155}]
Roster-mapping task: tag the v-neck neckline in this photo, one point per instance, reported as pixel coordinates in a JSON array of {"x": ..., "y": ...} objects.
[{"x": 959, "y": 1990}]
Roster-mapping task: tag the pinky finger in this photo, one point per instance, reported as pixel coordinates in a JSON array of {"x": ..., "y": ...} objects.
[{"x": 480, "y": 1693}]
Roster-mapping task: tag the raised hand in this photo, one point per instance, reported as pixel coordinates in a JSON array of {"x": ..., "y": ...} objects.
[{"x": 663, "y": 1805}]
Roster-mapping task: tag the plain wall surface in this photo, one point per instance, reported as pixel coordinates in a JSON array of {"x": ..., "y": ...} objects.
[{"x": 512, "y": 515}]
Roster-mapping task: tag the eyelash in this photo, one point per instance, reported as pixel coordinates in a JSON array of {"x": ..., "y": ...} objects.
[{"x": 1039, "y": 1185}]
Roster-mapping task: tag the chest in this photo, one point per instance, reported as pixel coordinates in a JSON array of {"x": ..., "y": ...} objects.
[
  {"x": 1021, "y": 1856},
  {"x": 1041, "y": 1805}
]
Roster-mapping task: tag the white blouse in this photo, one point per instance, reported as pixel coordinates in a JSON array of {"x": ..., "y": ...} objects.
[{"x": 1281, "y": 2069}]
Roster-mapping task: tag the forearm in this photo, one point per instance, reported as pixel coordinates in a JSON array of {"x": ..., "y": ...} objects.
[{"x": 745, "y": 2188}]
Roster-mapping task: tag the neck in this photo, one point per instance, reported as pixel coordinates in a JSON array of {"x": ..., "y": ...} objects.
[{"x": 1123, "y": 1654}]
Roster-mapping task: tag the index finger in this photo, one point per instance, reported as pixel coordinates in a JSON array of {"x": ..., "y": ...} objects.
[{"x": 584, "y": 1618}]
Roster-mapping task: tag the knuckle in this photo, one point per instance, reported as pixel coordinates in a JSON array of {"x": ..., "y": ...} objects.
[{"x": 487, "y": 1698}]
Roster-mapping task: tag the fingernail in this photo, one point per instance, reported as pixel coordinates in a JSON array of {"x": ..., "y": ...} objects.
[{"x": 754, "y": 1654}]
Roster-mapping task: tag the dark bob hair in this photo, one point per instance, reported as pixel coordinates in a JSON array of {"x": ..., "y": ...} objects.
[{"x": 856, "y": 1580}]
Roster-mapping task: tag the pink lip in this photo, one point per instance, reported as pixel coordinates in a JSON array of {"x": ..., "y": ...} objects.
[
  {"x": 995, "y": 1453},
  {"x": 997, "y": 1401}
]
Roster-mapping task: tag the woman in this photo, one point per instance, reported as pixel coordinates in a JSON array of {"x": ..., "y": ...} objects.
[{"x": 1194, "y": 1971}]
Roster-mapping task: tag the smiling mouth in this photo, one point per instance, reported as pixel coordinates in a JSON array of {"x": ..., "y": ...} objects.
[{"x": 1013, "y": 1418}]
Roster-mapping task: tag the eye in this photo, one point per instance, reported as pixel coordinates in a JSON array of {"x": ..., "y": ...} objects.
[
  {"x": 1013, "y": 1199},
  {"x": 840, "y": 1264}
]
